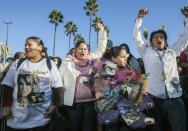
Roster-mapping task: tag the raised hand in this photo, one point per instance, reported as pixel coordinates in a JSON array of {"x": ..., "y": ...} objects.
[
  {"x": 142, "y": 12},
  {"x": 184, "y": 11},
  {"x": 100, "y": 26}
]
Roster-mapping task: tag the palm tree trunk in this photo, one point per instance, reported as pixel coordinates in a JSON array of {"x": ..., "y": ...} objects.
[
  {"x": 69, "y": 41},
  {"x": 54, "y": 39},
  {"x": 74, "y": 41},
  {"x": 90, "y": 32},
  {"x": 97, "y": 38}
]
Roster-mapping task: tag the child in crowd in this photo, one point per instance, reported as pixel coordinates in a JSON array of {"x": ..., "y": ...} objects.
[{"x": 119, "y": 91}]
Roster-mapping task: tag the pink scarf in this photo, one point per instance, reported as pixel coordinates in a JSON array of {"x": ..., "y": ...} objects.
[{"x": 78, "y": 61}]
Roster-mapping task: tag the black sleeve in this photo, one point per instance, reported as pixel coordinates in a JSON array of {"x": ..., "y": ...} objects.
[
  {"x": 6, "y": 94},
  {"x": 56, "y": 96}
]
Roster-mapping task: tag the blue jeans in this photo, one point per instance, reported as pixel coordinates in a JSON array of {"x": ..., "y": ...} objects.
[
  {"x": 81, "y": 116},
  {"x": 168, "y": 111}
]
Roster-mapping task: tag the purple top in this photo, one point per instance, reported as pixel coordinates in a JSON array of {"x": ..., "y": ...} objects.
[
  {"x": 84, "y": 91},
  {"x": 126, "y": 74}
]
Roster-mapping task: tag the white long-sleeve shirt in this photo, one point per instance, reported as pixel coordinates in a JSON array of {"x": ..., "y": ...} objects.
[
  {"x": 68, "y": 70},
  {"x": 154, "y": 66}
]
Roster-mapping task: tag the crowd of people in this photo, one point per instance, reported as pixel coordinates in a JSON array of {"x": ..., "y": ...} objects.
[{"x": 105, "y": 90}]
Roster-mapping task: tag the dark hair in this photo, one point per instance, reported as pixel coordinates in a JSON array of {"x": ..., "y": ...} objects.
[
  {"x": 71, "y": 51},
  {"x": 40, "y": 42},
  {"x": 114, "y": 52},
  {"x": 139, "y": 59},
  {"x": 44, "y": 53},
  {"x": 141, "y": 65},
  {"x": 18, "y": 55},
  {"x": 36, "y": 39},
  {"x": 162, "y": 32},
  {"x": 59, "y": 60},
  {"x": 126, "y": 47},
  {"x": 20, "y": 83},
  {"x": 10, "y": 59},
  {"x": 79, "y": 43}
]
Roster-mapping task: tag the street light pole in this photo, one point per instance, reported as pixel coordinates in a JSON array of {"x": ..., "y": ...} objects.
[{"x": 7, "y": 23}]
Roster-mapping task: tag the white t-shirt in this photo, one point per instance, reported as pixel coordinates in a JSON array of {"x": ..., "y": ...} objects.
[{"x": 32, "y": 83}]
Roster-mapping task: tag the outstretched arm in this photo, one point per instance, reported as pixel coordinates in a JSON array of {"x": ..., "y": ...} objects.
[
  {"x": 137, "y": 31},
  {"x": 182, "y": 42},
  {"x": 102, "y": 43}
]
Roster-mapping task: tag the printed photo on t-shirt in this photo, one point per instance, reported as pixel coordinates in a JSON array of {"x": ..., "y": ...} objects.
[{"x": 29, "y": 90}]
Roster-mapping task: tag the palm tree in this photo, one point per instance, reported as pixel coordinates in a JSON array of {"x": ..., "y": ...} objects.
[
  {"x": 70, "y": 29},
  {"x": 184, "y": 23},
  {"x": 107, "y": 30},
  {"x": 91, "y": 8},
  {"x": 77, "y": 38},
  {"x": 145, "y": 34},
  {"x": 109, "y": 43},
  {"x": 163, "y": 27},
  {"x": 56, "y": 17},
  {"x": 95, "y": 22}
]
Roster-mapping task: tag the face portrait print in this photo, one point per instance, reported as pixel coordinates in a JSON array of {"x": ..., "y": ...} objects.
[{"x": 29, "y": 91}]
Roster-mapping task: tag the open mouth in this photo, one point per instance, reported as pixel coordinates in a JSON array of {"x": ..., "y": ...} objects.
[
  {"x": 27, "y": 52},
  {"x": 82, "y": 55},
  {"x": 159, "y": 42}
]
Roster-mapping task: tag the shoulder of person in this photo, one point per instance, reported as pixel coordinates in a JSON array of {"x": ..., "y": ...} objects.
[
  {"x": 150, "y": 49},
  {"x": 14, "y": 64},
  {"x": 170, "y": 51},
  {"x": 66, "y": 61}
]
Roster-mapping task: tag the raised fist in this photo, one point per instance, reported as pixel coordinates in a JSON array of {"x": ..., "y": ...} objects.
[
  {"x": 184, "y": 11},
  {"x": 142, "y": 12}
]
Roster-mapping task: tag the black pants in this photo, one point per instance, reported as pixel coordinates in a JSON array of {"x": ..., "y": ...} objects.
[
  {"x": 81, "y": 116},
  {"x": 184, "y": 85},
  {"x": 41, "y": 128},
  {"x": 168, "y": 111},
  {"x": 0, "y": 122}
]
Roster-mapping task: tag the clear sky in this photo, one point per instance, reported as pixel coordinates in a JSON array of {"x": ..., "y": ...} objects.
[{"x": 30, "y": 18}]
